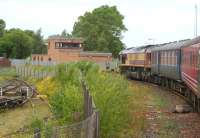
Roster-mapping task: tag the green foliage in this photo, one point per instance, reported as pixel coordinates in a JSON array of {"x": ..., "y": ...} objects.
[
  {"x": 68, "y": 99},
  {"x": 38, "y": 42},
  {"x": 36, "y": 123},
  {"x": 102, "y": 29},
  {"x": 48, "y": 127},
  {"x": 16, "y": 44},
  {"x": 110, "y": 93},
  {"x": 65, "y": 103},
  {"x": 111, "y": 96},
  {"x": 7, "y": 72},
  {"x": 2, "y": 27}
]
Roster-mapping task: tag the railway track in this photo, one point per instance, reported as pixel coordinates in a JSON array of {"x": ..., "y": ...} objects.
[
  {"x": 176, "y": 92},
  {"x": 14, "y": 93}
]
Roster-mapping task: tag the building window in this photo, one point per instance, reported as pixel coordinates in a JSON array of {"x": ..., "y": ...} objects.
[
  {"x": 34, "y": 58},
  {"x": 66, "y": 45},
  {"x": 57, "y": 45}
]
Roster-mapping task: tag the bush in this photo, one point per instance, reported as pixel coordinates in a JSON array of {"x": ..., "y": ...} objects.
[
  {"x": 65, "y": 103},
  {"x": 36, "y": 123},
  {"x": 48, "y": 86},
  {"x": 68, "y": 97}
]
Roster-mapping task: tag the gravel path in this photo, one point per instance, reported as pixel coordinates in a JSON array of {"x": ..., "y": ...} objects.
[{"x": 158, "y": 105}]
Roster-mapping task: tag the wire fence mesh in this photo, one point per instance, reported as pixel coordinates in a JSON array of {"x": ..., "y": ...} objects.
[
  {"x": 83, "y": 129},
  {"x": 88, "y": 128}
]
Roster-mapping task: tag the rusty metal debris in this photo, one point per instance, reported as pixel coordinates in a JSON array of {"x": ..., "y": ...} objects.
[{"x": 15, "y": 92}]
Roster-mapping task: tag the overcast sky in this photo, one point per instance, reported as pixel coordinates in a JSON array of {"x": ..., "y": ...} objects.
[{"x": 160, "y": 20}]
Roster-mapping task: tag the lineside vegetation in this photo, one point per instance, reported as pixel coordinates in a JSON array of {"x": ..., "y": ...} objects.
[{"x": 110, "y": 92}]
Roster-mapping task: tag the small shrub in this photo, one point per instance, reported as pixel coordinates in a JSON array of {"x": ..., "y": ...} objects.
[
  {"x": 36, "y": 123},
  {"x": 111, "y": 96},
  {"x": 47, "y": 86}
]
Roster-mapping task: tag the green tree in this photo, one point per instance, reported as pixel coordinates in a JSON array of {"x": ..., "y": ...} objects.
[
  {"x": 16, "y": 44},
  {"x": 66, "y": 34},
  {"x": 101, "y": 29},
  {"x": 2, "y": 27},
  {"x": 39, "y": 46}
]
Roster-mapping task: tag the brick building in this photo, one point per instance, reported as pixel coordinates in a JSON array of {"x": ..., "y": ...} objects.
[
  {"x": 61, "y": 49},
  {"x": 4, "y": 62}
]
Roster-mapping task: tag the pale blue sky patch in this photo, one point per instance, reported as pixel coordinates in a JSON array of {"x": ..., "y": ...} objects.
[{"x": 160, "y": 20}]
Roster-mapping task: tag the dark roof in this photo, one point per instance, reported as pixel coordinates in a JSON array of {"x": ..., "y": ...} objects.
[
  {"x": 61, "y": 38},
  {"x": 94, "y": 53},
  {"x": 192, "y": 41},
  {"x": 140, "y": 49},
  {"x": 171, "y": 45}
]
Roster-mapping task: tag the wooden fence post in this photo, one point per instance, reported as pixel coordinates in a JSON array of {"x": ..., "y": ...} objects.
[
  {"x": 23, "y": 72},
  {"x": 97, "y": 125},
  {"x": 89, "y": 105}
]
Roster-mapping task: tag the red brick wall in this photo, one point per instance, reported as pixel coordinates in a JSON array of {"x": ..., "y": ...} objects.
[
  {"x": 4, "y": 62},
  {"x": 66, "y": 55}
]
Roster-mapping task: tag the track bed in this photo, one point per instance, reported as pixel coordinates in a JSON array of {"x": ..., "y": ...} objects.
[{"x": 152, "y": 114}]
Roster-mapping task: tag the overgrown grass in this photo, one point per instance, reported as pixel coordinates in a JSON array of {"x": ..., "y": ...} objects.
[
  {"x": 111, "y": 96},
  {"x": 7, "y": 73},
  {"x": 110, "y": 92}
]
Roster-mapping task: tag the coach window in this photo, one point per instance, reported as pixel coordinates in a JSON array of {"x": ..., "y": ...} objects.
[
  {"x": 175, "y": 57},
  {"x": 161, "y": 58},
  {"x": 165, "y": 57},
  {"x": 196, "y": 59},
  {"x": 154, "y": 58},
  {"x": 190, "y": 57},
  {"x": 170, "y": 57}
]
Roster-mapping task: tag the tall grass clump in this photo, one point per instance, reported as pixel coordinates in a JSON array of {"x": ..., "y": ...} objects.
[
  {"x": 111, "y": 96},
  {"x": 67, "y": 98},
  {"x": 110, "y": 93}
]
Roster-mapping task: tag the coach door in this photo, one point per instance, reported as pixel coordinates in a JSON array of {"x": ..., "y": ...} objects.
[{"x": 158, "y": 61}]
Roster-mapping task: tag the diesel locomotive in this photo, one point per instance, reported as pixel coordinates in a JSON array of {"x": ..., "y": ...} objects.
[{"x": 175, "y": 65}]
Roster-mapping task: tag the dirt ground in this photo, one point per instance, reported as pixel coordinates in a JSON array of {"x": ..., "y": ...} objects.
[
  {"x": 17, "y": 119},
  {"x": 152, "y": 111}
]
